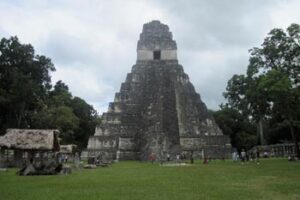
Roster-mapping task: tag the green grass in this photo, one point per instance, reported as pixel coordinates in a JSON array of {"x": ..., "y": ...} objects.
[{"x": 272, "y": 179}]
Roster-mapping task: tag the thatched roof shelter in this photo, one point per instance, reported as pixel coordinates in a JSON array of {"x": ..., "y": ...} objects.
[{"x": 30, "y": 139}]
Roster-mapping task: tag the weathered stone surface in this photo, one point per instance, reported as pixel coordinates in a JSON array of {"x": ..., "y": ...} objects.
[
  {"x": 157, "y": 109},
  {"x": 41, "y": 167}
]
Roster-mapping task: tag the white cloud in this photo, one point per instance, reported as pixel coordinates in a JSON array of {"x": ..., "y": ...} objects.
[
  {"x": 85, "y": 83},
  {"x": 93, "y": 43},
  {"x": 285, "y": 13}
]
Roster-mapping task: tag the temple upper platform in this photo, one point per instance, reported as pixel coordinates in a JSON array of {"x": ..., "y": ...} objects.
[{"x": 156, "y": 43}]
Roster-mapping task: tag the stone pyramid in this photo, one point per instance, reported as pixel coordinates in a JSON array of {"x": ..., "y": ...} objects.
[{"x": 157, "y": 109}]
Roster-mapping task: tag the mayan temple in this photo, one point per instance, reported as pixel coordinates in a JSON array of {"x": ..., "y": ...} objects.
[{"x": 157, "y": 109}]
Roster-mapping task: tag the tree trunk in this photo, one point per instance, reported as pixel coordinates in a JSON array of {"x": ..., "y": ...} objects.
[
  {"x": 261, "y": 131},
  {"x": 20, "y": 115},
  {"x": 18, "y": 120},
  {"x": 295, "y": 139}
]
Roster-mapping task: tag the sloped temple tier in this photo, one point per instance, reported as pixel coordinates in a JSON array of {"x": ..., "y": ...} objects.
[{"x": 157, "y": 109}]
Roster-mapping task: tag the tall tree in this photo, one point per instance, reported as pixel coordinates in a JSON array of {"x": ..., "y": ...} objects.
[
  {"x": 238, "y": 127},
  {"x": 271, "y": 87},
  {"x": 75, "y": 119},
  {"x": 88, "y": 119},
  {"x": 27, "y": 99},
  {"x": 24, "y": 81}
]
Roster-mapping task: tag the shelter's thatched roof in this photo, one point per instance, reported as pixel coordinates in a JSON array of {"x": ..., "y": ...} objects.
[{"x": 30, "y": 139}]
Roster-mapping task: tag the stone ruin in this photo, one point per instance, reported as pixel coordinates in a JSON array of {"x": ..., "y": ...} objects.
[{"x": 157, "y": 109}]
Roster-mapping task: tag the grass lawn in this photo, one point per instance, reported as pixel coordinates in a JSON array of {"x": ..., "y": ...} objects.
[{"x": 272, "y": 179}]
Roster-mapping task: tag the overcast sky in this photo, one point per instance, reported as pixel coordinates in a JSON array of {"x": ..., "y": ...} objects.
[{"x": 92, "y": 43}]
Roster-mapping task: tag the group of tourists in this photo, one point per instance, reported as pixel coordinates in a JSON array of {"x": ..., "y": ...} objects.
[
  {"x": 178, "y": 158},
  {"x": 62, "y": 158},
  {"x": 245, "y": 156}
]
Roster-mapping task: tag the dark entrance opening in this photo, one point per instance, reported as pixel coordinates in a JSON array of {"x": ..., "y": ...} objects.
[{"x": 156, "y": 55}]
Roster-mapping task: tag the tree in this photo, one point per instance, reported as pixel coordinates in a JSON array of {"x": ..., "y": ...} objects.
[
  {"x": 242, "y": 94},
  {"x": 64, "y": 119},
  {"x": 284, "y": 100},
  {"x": 237, "y": 127},
  {"x": 75, "y": 119},
  {"x": 271, "y": 87},
  {"x": 88, "y": 119},
  {"x": 27, "y": 99},
  {"x": 60, "y": 95},
  {"x": 24, "y": 80}
]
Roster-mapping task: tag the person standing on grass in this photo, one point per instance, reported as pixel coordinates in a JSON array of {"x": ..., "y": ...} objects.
[
  {"x": 192, "y": 157},
  {"x": 235, "y": 156},
  {"x": 247, "y": 156},
  {"x": 168, "y": 157},
  {"x": 205, "y": 158},
  {"x": 152, "y": 157},
  {"x": 252, "y": 156},
  {"x": 257, "y": 156},
  {"x": 62, "y": 158},
  {"x": 243, "y": 156}
]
